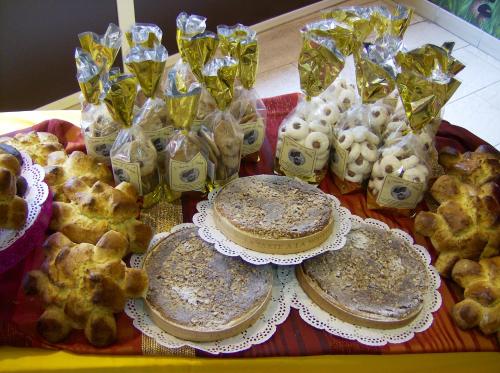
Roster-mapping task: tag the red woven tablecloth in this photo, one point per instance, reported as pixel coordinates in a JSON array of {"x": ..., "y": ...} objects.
[{"x": 18, "y": 314}]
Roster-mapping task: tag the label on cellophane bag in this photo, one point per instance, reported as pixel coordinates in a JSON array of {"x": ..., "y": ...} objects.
[
  {"x": 295, "y": 159},
  {"x": 400, "y": 193},
  {"x": 187, "y": 176},
  {"x": 338, "y": 160},
  {"x": 100, "y": 147},
  {"x": 129, "y": 172},
  {"x": 253, "y": 136},
  {"x": 160, "y": 137}
]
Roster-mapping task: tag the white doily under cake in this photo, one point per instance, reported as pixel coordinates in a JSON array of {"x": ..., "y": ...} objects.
[
  {"x": 320, "y": 319},
  {"x": 35, "y": 196},
  {"x": 276, "y": 313},
  {"x": 204, "y": 219}
]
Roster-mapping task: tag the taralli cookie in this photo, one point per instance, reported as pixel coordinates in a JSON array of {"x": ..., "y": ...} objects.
[
  {"x": 409, "y": 162},
  {"x": 414, "y": 174},
  {"x": 317, "y": 141},
  {"x": 297, "y": 128},
  {"x": 377, "y": 169},
  {"x": 390, "y": 165},
  {"x": 320, "y": 125},
  {"x": 353, "y": 177},
  {"x": 354, "y": 152},
  {"x": 346, "y": 99},
  {"x": 378, "y": 116},
  {"x": 359, "y": 166},
  {"x": 372, "y": 138},
  {"x": 359, "y": 133},
  {"x": 369, "y": 151},
  {"x": 330, "y": 113},
  {"x": 346, "y": 139}
]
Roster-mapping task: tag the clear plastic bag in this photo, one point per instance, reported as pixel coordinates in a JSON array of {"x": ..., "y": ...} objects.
[
  {"x": 400, "y": 176},
  {"x": 206, "y": 106},
  {"x": 303, "y": 146},
  {"x": 134, "y": 160},
  {"x": 251, "y": 115},
  {"x": 354, "y": 149}
]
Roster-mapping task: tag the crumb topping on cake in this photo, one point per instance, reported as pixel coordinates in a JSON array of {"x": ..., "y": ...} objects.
[
  {"x": 193, "y": 285},
  {"x": 274, "y": 207}
]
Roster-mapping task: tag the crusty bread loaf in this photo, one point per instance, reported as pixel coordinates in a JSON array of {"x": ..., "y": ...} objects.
[
  {"x": 61, "y": 167},
  {"x": 466, "y": 225},
  {"x": 481, "y": 304},
  {"x": 94, "y": 210},
  {"x": 38, "y": 145},
  {"x": 13, "y": 209},
  {"x": 82, "y": 286}
]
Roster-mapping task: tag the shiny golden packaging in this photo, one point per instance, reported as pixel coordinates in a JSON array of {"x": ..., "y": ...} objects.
[
  {"x": 133, "y": 156},
  {"x": 395, "y": 24},
  {"x": 359, "y": 18},
  {"x": 88, "y": 75},
  {"x": 240, "y": 42},
  {"x": 319, "y": 63},
  {"x": 342, "y": 34},
  {"x": 221, "y": 136},
  {"x": 102, "y": 48},
  {"x": 186, "y": 161},
  {"x": 187, "y": 27},
  {"x": 146, "y": 35}
]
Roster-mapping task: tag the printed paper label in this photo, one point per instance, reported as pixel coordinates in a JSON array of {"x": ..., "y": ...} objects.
[
  {"x": 338, "y": 161},
  {"x": 129, "y": 172},
  {"x": 296, "y": 159},
  {"x": 400, "y": 193},
  {"x": 186, "y": 176},
  {"x": 253, "y": 136},
  {"x": 160, "y": 137},
  {"x": 100, "y": 147}
]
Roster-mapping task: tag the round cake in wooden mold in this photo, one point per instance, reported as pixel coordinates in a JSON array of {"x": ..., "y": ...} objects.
[
  {"x": 274, "y": 214},
  {"x": 198, "y": 294},
  {"x": 376, "y": 280}
]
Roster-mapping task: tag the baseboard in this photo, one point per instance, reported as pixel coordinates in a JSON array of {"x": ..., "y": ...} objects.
[{"x": 456, "y": 25}]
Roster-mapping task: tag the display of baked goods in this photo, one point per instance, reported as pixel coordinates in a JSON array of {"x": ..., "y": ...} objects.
[
  {"x": 13, "y": 208},
  {"x": 38, "y": 145},
  {"x": 195, "y": 293},
  {"x": 466, "y": 224},
  {"x": 82, "y": 286},
  {"x": 61, "y": 167},
  {"x": 476, "y": 168},
  {"x": 481, "y": 304},
  {"x": 273, "y": 214},
  {"x": 377, "y": 279},
  {"x": 94, "y": 210}
]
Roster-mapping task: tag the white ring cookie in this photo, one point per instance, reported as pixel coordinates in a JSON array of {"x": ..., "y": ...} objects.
[
  {"x": 354, "y": 152},
  {"x": 409, "y": 162},
  {"x": 297, "y": 128},
  {"x": 377, "y": 169},
  {"x": 345, "y": 139},
  {"x": 378, "y": 116},
  {"x": 356, "y": 178},
  {"x": 359, "y": 133},
  {"x": 415, "y": 175},
  {"x": 369, "y": 151},
  {"x": 346, "y": 99},
  {"x": 359, "y": 166},
  {"x": 317, "y": 141},
  {"x": 372, "y": 138},
  {"x": 390, "y": 165},
  {"x": 320, "y": 125}
]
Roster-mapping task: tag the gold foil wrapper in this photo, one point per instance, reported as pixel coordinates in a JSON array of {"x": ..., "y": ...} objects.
[
  {"x": 240, "y": 42},
  {"x": 359, "y": 18},
  {"x": 198, "y": 50},
  {"x": 120, "y": 99},
  {"x": 319, "y": 64},
  {"x": 182, "y": 109},
  {"x": 344, "y": 35},
  {"x": 423, "y": 98},
  {"x": 103, "y": 49},
  {"x": 147, "y": 65},
  {"x": 218, "y": 77},
  {"x": 88, "y": 75},
  {"x": 387, "y": 23},
  {"x": 188, "y": 26},
  {"x": 146, "y": 35}
]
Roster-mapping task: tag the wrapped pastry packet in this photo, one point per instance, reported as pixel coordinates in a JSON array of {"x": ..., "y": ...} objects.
[
  {"x": 240, "y": 42},
  {"x": 354, "y": 148},
  {"x": 98, "y": 127},
  {"x": 304, "y": 136},
  {"x": 148, "y": 64},
  {"x": 221, "y": 135},
  {"x": 400, "y": 175},
  {"x": 133, "y": 156},
  {"x": 102, "y": 48},
  {"x": 146, "y": 35},
  {"x": 186, "y": 161}
]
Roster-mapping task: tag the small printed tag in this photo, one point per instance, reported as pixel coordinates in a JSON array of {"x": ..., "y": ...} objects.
[
  {"x": 253, "y": 136},
  {"x": 186, "y": 176},
  {"x": 338, "y": 160},
  {"x": 296, "y": 159},
  {"x": 160, "y": 137},
  {"x": 100, "y": 147},
  {"x": 399, "y": 193},
  {"x": 129, "y": 172}
]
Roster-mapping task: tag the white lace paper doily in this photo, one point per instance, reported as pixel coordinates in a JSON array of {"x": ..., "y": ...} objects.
[
  {"x": 35, "y": 196},
  {"x": 316, "y": 317},
  {"x": 204, "y": 219},
  {"x": 276, "y": 313}
]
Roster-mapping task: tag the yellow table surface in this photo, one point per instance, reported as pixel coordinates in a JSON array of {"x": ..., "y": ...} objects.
[{"x": 36, "y": 360}]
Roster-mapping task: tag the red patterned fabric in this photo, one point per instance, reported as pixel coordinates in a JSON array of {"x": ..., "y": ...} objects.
[{"x": 294, "y": 337}]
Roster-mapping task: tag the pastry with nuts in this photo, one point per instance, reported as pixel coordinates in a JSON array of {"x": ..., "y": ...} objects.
[
  {"x": 197, "y": 294},
  {"x": 376, "y": 280},
  {"x": 273, "y": 214}
]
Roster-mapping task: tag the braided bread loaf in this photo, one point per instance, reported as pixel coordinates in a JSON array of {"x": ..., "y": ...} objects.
[
  {"x": 465, "y": 225},
  {"x": 481, "y": 306},
  {"x": 82, "y": 286},
  {"x": 38, "y": 145},
  {"x": 94, "y": 210},
  {"x": 13, "y": 209},
  {"x": 61, "y": 167}
]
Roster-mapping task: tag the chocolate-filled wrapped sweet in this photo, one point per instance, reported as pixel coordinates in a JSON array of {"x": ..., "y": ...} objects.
[
  {"x": 98, "y": 126},
  {"x": 133, "y": 155},
  {"x": 240, "y": 42},
  {"x": 186, "y": 160},
  {"x": 304, "y": 135},
  {"x": 148, "y": 64},
  {"x": 220, "y": 134}
]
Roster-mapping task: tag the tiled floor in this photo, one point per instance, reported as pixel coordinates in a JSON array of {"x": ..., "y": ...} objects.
[{"x": 475, "y": 105}]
